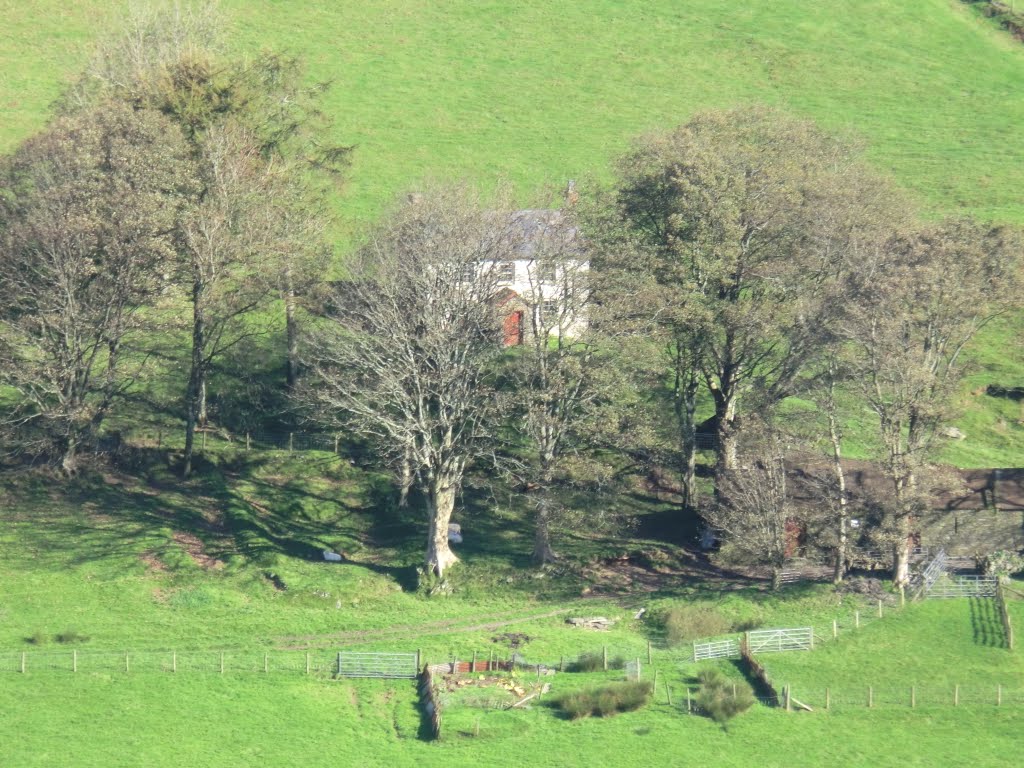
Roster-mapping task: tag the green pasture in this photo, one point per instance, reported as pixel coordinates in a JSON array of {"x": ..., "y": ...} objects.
[
  {"x": 115, "y": 563},
  {"x": 539, "y": 92}
]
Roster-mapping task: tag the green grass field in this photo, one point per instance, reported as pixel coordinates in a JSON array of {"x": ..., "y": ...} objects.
[
  {"x": 534, "y": 93},
  {"x": 138, "y": 564},
  {"x": 538, "y": 92}
]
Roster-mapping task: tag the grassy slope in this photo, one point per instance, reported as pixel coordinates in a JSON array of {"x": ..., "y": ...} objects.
[
  {"x": 82, "y": 559},
  {"x": 540, "y": 91}
]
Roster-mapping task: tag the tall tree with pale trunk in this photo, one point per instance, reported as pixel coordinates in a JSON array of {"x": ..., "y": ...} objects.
[{"x": 410, "y": 351}]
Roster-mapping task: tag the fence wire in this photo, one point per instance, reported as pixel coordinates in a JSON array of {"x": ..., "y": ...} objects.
[{"x": 183, "y": 662}]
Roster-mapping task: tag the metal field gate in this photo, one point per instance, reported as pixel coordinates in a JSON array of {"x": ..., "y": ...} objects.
[
  {"x": 963, "y": 586},
  {"x": 719, "y": 649},
  {"x": 774, "y": 640},
  {"x": 385, "y": 665}
]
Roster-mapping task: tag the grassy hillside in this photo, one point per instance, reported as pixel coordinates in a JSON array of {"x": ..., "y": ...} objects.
[{"x": 540, "y": 92}]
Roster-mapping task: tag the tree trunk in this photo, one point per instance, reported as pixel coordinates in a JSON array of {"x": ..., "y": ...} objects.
[
  {"x": 202, "y": 416},
  {"x": 440, "y": 504},
  {"x": 69, "y": 456},
  {"x": 543, "y": 552},
  {"x": 291, "y": 339},
  {"x": 901, "y": 563},
  {"x": 686, "y": 386},
  {"x": 725, "y": 423},
  {"x": 196, "y": 378},
  {"x": 835, "y": 436},
  {"x": 406, "y": 480}
]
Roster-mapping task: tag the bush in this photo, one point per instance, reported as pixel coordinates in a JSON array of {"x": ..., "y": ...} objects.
[
  {"x": 594, "y": 662},
  {"x": 70, "y": 636},
  {"x": 722, "y": 699},
  {"x": 37, "y": 638},
  {"x": 605, "y": 701},
  {"x": 1003, "y": 563},
  {"x": 692, "y": 622}
]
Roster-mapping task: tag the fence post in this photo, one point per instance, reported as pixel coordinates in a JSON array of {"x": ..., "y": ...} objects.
[
  {"x": 789, "y": 703},
  {"x": 174, "y": 661},
  {"x": 204, "y": 439},
  {"x": 999, "y": 695},
  {"x": 648, "y": 651},
  {"x": 835, "y": 628},
  {"x": 23, "y": 662},
  {"x": 335, "y": 445},
  {"x": 856, "y": 619},
  {"x": 74, "y": 661},
  {"x": 339, "y": 664},
  {"x": 913, "y": 697},
  {"x": 291, "y": 442},
  {"x": 159, "y": 438},
  {"x": 604, "y": 657},
  {"x": 248, "y": 441},
  {"x": 266, "y": 663},
  {"x": 871, "y": 697},
  {"x": 307, "y": 662},
  {"x": 126, "y": 667},
  {"x": 473, "y": 668},
  {"x": 956, "y": 695},
  {"x": 637, "y": 667},
  {"x": 222, "y": 662},
  {"x": 561, "y": 663},
  {"x": 828, "y": 698},
  {"x": 879, "y": 608}
]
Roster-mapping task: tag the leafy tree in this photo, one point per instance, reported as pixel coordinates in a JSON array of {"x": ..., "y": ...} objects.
[
  {"x": 88, "y": 214},
  {"x": 738, "y": 220},
  {"x": 257, "y": 139},
  {"x": 411, "y": 348}
]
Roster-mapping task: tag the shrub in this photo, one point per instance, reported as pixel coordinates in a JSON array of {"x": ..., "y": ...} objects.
[
  {"x": 37, "y": 638},
  {"x": 1003, "y": 563},
  {"x": 594, "y": 662},
  {"x": 721, "y": 699},
  {"x": 692, "y": 622},
  {"x": 605, "y": 701},
  {"x": 70, "y": 636}
]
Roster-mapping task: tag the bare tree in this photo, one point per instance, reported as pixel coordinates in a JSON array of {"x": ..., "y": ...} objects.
[
  {"x": 558, "y": 376},
  {"x": 753, "y": 509},
  {"x": 257, "y": 134},
  {"x": 410, "y": 352},
  {"x": 237, "y": 242},
  {"x": 88, "y": 212},
  {"x": 921, "y": 296}
]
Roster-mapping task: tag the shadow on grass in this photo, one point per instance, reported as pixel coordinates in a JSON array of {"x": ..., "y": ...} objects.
[{"x": 986, "y": 624}]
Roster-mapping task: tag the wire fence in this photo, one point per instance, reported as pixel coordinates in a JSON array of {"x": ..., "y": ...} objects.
[{"x": 87, "y": 661}]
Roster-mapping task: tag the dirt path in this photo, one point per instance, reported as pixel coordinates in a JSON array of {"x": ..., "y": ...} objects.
[{"x": 440, "y": 627}]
